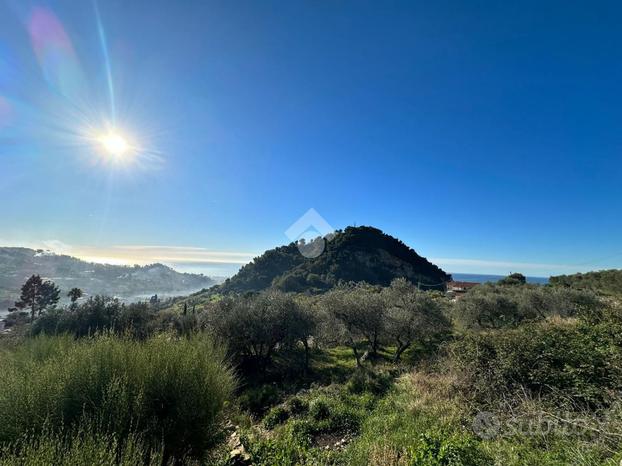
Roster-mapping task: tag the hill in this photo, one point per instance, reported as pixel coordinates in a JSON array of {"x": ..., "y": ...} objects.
[
  {"x": 17, "y": 264},
  {"x": 355, "y": 254},
  {"x": 606, "y": 282}
]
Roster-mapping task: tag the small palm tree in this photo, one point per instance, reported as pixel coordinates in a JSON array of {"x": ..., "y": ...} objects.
[{"x": 75, "y": 294}]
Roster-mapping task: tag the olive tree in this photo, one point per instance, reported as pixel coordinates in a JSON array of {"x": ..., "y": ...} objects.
[
  {"x": 412, "y": 315},
  {"x": 357, "y": 313},
  {"x": 495, "y": 306},
  {"x": 255, "y": 326}
]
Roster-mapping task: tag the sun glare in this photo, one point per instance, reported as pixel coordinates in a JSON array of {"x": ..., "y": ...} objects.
[
  {"x": 114, "y": 144},
  {"x": 116, "y": 147}
]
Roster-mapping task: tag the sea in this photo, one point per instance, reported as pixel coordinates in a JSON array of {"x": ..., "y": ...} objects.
[{"x": 477, "y": 278}]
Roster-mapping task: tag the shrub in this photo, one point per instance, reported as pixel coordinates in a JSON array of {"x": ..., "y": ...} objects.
[
  {"x": 499, "y": 306},
  {"x": 163, "y": 387},
  {"x": 256, "y": 399},
  {"x": 277, "y": 415},
  {"x": 575, "y": 359},
  {"x": 297, "y": 406},
  {"x": 438, "y": 448},
  {"x": 417, "y": 423},
  {"x": 16, "y": 318},
  {"x": 97, "y": 314},
  {"x": 290, "y": 447},
  {"x": 369, "y": 381},
  {"x": 344, "y": 417},
  {"x": 49, "y": 323},
  {"x": 134, "y": 319},
  {"x": 85, "y": 447},
  {"x": 513, "y": 279},
  {"x": 319, "y": 409}
]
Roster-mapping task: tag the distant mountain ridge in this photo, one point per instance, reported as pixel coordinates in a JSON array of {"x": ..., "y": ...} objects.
[
  {"x": 17, "y": 264},
  {"x": 356, "y": 254}
]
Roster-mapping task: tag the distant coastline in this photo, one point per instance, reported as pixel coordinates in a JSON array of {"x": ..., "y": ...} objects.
[
  {"x": 482, "y": 278},
  {"x": 465, "y": 277}
]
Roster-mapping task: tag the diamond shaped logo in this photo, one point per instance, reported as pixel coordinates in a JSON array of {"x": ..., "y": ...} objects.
[{"x": 310, "y": 233}]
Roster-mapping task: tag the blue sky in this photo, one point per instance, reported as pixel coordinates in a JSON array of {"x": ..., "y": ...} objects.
[{"x": 486, "y": 135}]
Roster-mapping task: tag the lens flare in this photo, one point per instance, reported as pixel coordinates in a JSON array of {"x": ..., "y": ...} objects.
[
  {"x": 70, "y": 114},
  {"x": 56, "y": 54},
  {"x": 115, "y": 144},
  {"x": 6, "y": 112}
]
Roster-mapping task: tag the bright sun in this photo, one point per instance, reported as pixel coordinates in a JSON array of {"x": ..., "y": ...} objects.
[
  {"x": 116, "y": 147},
  {"x": 114, "y": 144}
]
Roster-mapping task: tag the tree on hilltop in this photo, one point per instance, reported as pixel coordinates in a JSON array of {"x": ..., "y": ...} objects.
[{"x": 513, "y": 279}]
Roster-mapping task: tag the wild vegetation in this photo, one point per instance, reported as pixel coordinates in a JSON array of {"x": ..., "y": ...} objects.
[
  {"x": 605, "y": 282},
  {"x": 362, "y": 374}
]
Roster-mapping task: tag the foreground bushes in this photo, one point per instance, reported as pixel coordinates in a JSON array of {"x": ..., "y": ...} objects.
[
  {"x": 84, "y": 447},
  {"x": 573, "y": 359},
  {"x": 165, "y": 388},
  {"x": 310, "y": 428}
]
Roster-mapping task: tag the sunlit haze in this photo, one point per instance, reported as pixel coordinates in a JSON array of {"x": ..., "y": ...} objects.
[
  {"x": 469, "y": 131},
  {"x": 114, "y": 144}
]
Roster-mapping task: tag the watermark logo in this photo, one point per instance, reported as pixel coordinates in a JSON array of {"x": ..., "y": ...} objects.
[
  {"x": 310, "y": 232},
  {"x": 486, "y": 425}
]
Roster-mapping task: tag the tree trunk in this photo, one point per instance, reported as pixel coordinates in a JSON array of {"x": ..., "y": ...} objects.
[
  {"x": 374, "y": 345},
  {"x": 400, "y": 349},
  {"x": 356, "y": 355},
  {"x": 372, "y": 342},
  {"x": 305, "y": 343}
]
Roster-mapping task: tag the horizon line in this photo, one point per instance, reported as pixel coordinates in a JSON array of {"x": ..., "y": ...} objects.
[{"x": 192, "y": 256}]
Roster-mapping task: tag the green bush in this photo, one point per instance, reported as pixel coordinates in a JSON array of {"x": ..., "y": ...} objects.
[
  {"x": 570, "y": 359},
  {"x": 369, "y": 381},
  {"x": 415, "y": 424},
  {"x": 277, "y": 415},
  {"x": 16, "y": 318},
  {"x": 501, "y": 306},
  {"x": 309, "y": 437},
  {"x": 319, "y": 409},
  {"x": 86, "y": 447},
  {"x": 98, "y": 314},
  {"x": 337, "y": 413},
  {"x": 297, "y": 406},
  {"x": 438, "y": 448},
  {"x": 604, "y": 282},
  {"x": 343, "y": 418},
  {"x": 258, "y": 399},
  {"x": 291, "y": 447},
  {"x": 165, "y": 388}
]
